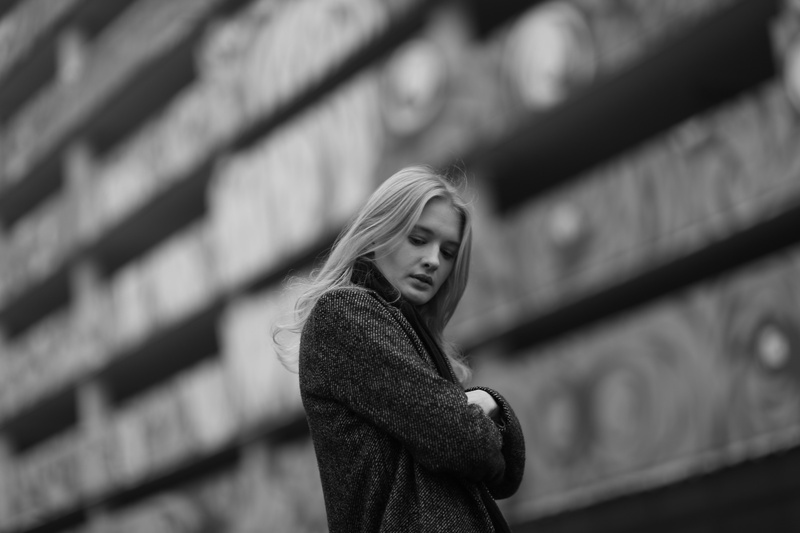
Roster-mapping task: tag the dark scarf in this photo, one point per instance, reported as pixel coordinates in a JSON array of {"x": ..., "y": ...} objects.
[{"x": 367, "y": 275}]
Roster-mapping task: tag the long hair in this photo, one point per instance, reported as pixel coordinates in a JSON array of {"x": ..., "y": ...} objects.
[{"x": 378, "y": 228}]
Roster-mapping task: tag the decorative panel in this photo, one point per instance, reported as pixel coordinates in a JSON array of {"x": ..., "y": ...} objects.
[
  {"x": 23, "y": 25},
  {"x": 39, "y": 242},
  {"x": 116, "y": 55},
  {"x": 46, "y": 481},
  {"x": 277, "y": 198},
  {"x": 704, "y": 180},
  {"x": 262, "y": 388},
  {"x": 54, "y": 352},
  {"x": 701, "y": 380},
  {"x": 207, "y": 398}
]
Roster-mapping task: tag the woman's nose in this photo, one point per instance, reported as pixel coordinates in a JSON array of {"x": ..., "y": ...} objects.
[{"x": 431, "y": 259}]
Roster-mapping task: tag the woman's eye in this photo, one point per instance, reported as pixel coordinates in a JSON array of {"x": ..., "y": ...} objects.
[
  {"x": 415, "y": 240},
  {"x": 448, "y": 254}
]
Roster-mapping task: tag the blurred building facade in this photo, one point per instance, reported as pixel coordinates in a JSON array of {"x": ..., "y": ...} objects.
[{"x": 165, "y": 164}]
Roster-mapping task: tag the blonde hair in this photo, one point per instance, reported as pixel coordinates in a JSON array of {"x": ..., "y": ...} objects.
[{"x": 378, "y": 228}]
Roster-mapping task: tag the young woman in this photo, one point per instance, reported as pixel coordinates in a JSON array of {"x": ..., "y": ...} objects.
[{"x": 401, "y": 446}]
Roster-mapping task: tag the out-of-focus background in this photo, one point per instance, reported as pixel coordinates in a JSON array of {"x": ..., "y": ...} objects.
[{"x": 635, "y": 286}]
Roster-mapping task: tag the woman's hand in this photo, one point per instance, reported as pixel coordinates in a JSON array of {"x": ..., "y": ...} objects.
[{"x": 485, "y": 401}]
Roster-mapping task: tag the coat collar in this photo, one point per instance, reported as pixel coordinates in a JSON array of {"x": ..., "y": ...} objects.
[{"x": 366, "y": 274}]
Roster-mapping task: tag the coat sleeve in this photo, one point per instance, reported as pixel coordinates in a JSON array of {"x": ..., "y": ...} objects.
[
  {"x": 355, "y": 352},
  {"x": 513, "y": 449}
]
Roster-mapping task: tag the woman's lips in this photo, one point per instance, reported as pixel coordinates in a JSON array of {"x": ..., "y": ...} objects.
[{"x": 423, "y": 278}]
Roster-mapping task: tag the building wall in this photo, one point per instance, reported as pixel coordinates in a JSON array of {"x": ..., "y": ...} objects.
[{"x": 165, "y": 164}]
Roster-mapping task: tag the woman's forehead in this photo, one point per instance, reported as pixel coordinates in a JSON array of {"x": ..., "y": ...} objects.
[{"x": 440, "y": 217}]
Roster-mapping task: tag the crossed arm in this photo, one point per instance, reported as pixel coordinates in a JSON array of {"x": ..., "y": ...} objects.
[{"x": 368, "y": 363}]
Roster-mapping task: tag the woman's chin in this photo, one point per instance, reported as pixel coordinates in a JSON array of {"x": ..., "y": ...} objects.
[{"x": 417, "y": 296}]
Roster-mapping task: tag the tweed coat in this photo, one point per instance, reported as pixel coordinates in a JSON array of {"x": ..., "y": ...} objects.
[{"x": 398, "y": 447}]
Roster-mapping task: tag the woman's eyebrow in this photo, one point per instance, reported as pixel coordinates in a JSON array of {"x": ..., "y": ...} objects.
[{"x": 422, "y": 229}]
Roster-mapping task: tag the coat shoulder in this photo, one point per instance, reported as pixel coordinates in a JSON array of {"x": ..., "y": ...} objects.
[{"x": 346, "y": 302}]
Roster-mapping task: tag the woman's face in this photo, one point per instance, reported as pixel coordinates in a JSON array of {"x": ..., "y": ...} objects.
[{"x": 425, "y": 258}]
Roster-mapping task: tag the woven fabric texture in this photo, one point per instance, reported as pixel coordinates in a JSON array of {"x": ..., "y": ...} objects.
[{"x": 398, "y": 446}]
